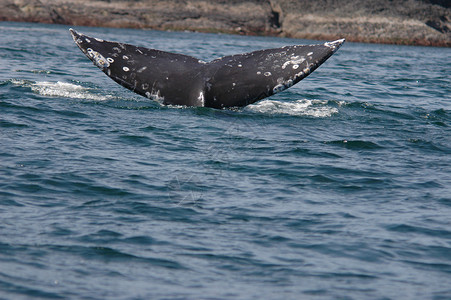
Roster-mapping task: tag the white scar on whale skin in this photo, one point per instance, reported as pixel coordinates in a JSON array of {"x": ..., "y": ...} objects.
[
  {"x": 155, "y": 95},
  {"x": 201, "y": 99},
  {"x": 334, "y": 44},
  {"x": 295, "y": 61},
  {"x": 282, "y": 86},
  {"x": 98, "y": 58}
]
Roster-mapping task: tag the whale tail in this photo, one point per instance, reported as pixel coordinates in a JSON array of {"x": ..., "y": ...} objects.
[{"x": 177, "y": 79}]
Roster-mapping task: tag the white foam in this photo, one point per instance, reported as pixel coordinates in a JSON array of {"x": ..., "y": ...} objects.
[
  {"x": 20, "y": 82},
  {"x": 67, "y": 90},
  {"x": 312, "y": 108}
]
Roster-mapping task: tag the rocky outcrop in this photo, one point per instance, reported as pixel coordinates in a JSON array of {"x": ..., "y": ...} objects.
[
  {"x": 247, "y": 17},
  {"x": 419, "y": 22},
  {"x": 385, "y": 21}
]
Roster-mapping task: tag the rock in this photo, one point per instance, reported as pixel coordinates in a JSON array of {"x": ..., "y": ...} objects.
[
  {"x": 384, "y": 21},
  {"x": 417, "y": 22}
]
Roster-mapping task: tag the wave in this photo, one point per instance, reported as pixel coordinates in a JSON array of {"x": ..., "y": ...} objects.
[
  {"x": 62, "y": 89},
  {"x": 311, "y": 108},
  {"x": 67, "y": 90}
]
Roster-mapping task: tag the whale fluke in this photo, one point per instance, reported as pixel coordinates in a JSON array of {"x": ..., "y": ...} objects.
[{"x": 230, "y": 81}]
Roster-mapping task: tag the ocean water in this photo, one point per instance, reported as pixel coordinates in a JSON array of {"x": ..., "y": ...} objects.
[{"x": 337, "y": 188}]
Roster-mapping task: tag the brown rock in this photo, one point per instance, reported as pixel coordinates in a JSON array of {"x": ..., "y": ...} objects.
[
  {"x": 401, "y": 22},
  {"x": 420, "y": 22}
]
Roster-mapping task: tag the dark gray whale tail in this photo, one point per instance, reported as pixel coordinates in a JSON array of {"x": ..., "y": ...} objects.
[{"x": 177, "y": 79}]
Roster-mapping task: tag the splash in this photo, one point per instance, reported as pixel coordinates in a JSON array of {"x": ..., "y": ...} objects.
[
  {"x": 62, "y": 89},
  {"x": 312, "y": 108},
  {"x": 67, "y": 90}
]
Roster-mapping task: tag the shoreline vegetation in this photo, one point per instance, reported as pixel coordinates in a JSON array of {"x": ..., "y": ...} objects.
[{"x": 404, "y": 22}]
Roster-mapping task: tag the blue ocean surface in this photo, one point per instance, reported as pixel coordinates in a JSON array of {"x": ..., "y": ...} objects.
[{"x": 337, "y": 188}]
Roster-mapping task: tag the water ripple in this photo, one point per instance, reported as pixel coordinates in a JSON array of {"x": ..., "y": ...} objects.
[{"x": 336, "y": 188}]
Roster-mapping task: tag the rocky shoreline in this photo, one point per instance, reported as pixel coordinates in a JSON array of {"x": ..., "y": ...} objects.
[{"x": 409, "y": 22}]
